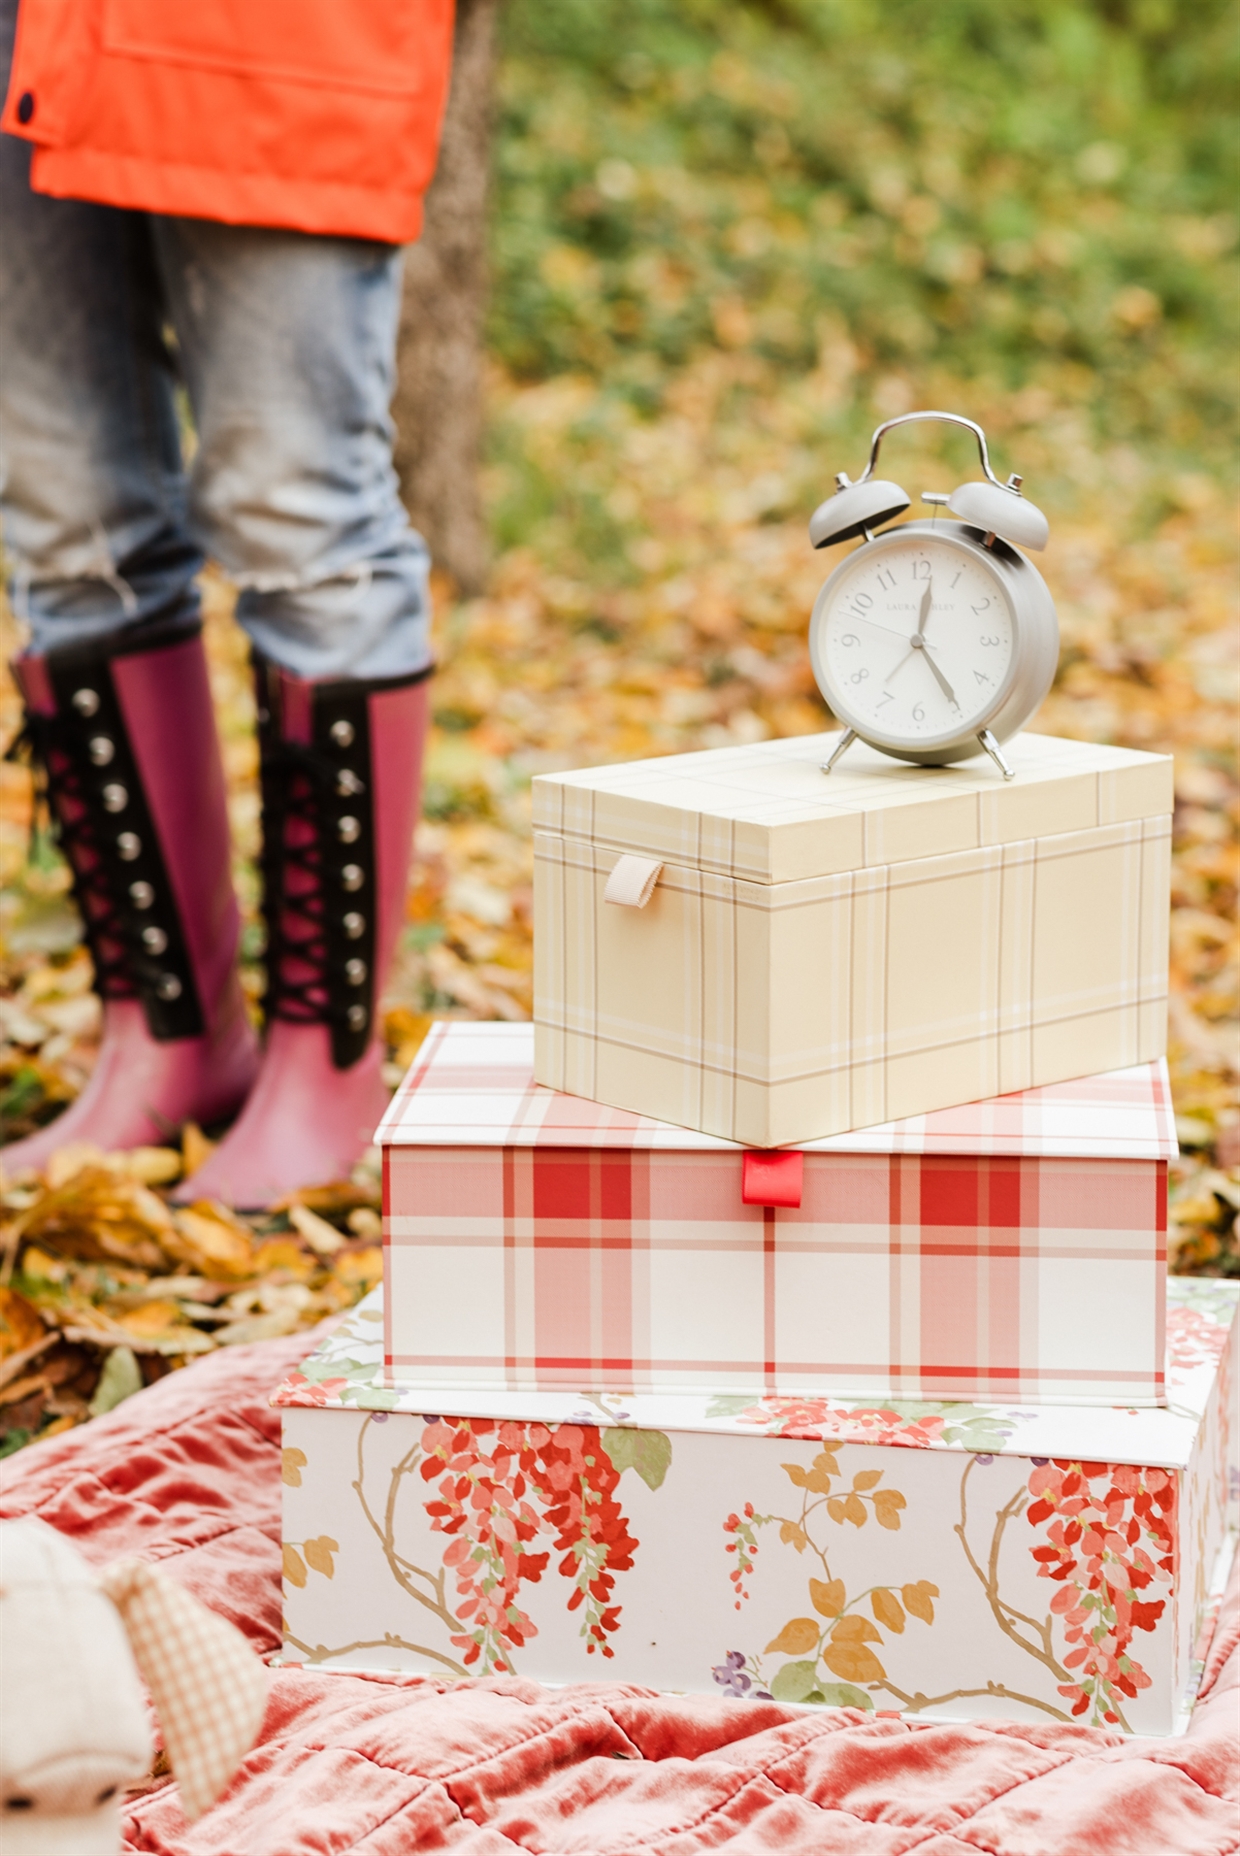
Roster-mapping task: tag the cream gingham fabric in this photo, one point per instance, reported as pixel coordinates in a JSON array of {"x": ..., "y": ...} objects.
[
  {"x": 823, "y": 954},
  {"x": 208, "y": 1687}
]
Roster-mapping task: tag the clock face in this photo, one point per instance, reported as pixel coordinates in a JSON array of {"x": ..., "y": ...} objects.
[{"x": 913, "y": 640}]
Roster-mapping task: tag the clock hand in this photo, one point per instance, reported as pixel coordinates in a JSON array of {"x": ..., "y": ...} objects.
[
  {"x": 944, "y": 685},
  {"x": 924, "y": 614}
]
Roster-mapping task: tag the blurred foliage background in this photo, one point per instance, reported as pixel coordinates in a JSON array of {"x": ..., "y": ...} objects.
[{"x": 727, "y": 240}]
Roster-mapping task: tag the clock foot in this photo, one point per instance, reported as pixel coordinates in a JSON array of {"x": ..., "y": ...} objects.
[
  {"x": 841, "y": 747},
  {"x": 996, "y": 754}
]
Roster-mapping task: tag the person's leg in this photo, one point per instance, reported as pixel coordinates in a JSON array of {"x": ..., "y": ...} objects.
[
  {"x": 118, "y": 707},
  {"x": 288, "y": 346}
]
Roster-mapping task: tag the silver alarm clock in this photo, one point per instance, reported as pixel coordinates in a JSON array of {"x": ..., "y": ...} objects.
[{"x": 935, "y": 639}]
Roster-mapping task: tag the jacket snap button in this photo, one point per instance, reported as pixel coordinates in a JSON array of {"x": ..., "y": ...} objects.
[{"x": 25, "y": 106}]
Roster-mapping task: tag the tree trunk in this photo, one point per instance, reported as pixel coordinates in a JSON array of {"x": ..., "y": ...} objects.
[{"x": 438, "y": 403}]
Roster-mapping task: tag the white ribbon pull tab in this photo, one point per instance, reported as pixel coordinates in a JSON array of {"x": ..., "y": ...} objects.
[{"x": 632, "y": 882}]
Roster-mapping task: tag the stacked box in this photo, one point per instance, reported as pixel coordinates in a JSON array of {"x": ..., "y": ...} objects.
[
  {"x": 809, "y": 955},
  {"x": 954, "y": 1560},
  {"x": 785, "y": 1314},
  {"x": 1007, "y": 1249}
]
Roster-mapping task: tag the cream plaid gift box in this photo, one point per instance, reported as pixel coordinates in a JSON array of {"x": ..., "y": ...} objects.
[
  {"x": 735, "y": 942},
  {"x": 1011, "y": 1249},
  {"x": 953, "y": 1560}
]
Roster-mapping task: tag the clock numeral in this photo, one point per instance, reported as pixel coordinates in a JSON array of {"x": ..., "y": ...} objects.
[
  {"x": 959, "y": 571},
  {"x": 919, "y": 714},
  {"x": 886, "y": 697},
  {"x": 981, "y": 608},
  {"x": 981, "y": 679},
  {"x": 921, "y": 570},
  {"x": 858, "y": 676},
  {"x": 850, "y": 639},
  {"x": 886, "y": 579},
  {"x": 990, "y": 641},
  {"x": 862, "y": 600}
]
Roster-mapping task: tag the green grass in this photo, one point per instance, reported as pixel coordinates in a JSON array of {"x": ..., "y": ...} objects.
[{"x": 1036, "y": 196}]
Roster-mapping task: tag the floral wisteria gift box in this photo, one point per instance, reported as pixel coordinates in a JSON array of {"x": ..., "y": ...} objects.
[
  {"x": 950, "y": 1560},
  {"x": 735, "y": 942},
  {"x": 1010, "y": 1249}
]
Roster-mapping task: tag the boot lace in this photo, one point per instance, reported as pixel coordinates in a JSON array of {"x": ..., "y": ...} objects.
[{"x": 70, "y": 826}]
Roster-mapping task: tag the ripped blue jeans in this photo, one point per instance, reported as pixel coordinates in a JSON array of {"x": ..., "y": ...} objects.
[{"x": 283, "y": 345}]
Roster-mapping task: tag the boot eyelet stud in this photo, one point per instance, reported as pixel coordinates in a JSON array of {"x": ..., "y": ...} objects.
[
  {"x": 348, "y": 784},
  {"x": 355, "y": 971},
  {"x": 154, "y": 940},
  {"x": 168, "y": 986},
  {"x": 348, "y": 830},
  {"x": 356, "y": 1017},
  {"x": 142, "y": 895},
  {"x": 115, "y": 797},
  {"x": 129, "y": 846},
  {"x": 101, "y": 750},
  {"x": 354, "y": 925},
  {"x": 86, "y": 702},
  {"x": 343, "y": 734},
  {"x": 352, "y": 877}
]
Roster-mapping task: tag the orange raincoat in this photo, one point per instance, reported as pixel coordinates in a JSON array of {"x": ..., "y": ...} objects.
[{"x": 319, "y": 115}]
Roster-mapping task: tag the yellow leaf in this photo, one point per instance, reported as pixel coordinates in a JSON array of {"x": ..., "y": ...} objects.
[
  {"x": 319, "y": 1554},
  {"x": 323, "y": 1238},
  {"x": 20, "y": 1325},
  {"x": 917, "y": 1599},
  {"x": 292, "y": 1462},
  {"x": 887, "y": 1609},
  {"x": 866, "y": 1478},
  {"x": 196, "y": 1149},
  {"x": 829, "y": 1598},
  {"x": 360, "y": 1268},
  {"x": 812, "y": 1479},
  {"x": 854, "y": 1510},
  {"x": 835, "y": 1508},
  {"x": 825, "y": 1461},
  {"x": 887, "y": 1506},
  {"x": 797, "y": 1636},
  {"x": 854, "y": 1629},
  {"x": 214, "y": 1244},
  {"x": 852, "y": 1662},
  {"x": 364, "y": 1221},
  {"x": 294, "y": 1566},
  {"x": 283, "y": 1255},
  {"x": 68, "y": 1161},
  {"x": 153, "y": 1318},
  {"x": 793, "y": 1536},
  {"x": 153, "y": 1166}
]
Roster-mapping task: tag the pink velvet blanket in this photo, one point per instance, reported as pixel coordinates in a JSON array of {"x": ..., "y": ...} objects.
[{"x": 187, "y": 1474}]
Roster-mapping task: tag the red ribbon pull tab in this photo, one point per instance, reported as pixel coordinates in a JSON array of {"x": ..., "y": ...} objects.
[{"x": 772, "y": 1177}]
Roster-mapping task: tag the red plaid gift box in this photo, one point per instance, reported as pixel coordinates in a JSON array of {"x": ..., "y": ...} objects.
[{"x": 1013, "y": 1249}]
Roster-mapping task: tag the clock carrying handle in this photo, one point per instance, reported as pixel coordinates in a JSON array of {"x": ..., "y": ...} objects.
[{"x": 915, "y": 418}]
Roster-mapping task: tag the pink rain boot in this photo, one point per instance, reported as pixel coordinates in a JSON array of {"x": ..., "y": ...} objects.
[
  {"x": 341, "y": 767},
  {"x": 125, "y": 732}
]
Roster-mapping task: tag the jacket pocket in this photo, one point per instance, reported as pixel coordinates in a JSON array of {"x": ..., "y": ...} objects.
[{"x": 380, "y": 47}]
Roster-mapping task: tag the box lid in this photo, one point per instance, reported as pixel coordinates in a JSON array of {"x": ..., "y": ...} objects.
[
  {"x": 346, "y": 1372},
  {"x": 768, "y": 814},
  {"x": 472, "y": 1085}
]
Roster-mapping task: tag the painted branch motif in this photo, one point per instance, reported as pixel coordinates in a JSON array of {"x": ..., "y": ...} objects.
[
  {"x": 1110, "y": 1540},
  {"x": 498, "y": 1492}
]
